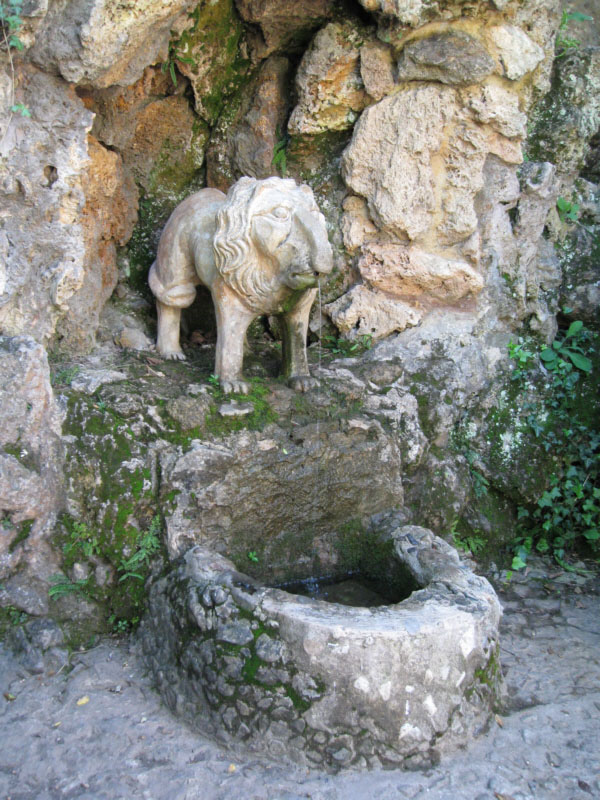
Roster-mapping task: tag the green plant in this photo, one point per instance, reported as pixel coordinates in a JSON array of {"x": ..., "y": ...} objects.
[
  {"x": 468, "y": 543},
  {"x": 280, "y": 153},
  {"x": 62, "y": 586},
  {"x": 252, "y": 556},
  {"x": 174, "y": 56},
  {"x": 567, "y": 513},
  {"x": 567, "y": 352},
  {"x": 139, "y": 562},
  {"x": 121, "y": 625},
  {"x": 11, "y": 23},
  {"x": 524, "y": 358},
  {"x": 65, "y": 375},
  {"x": 348, "y": 347},
  {"x": 81, "y": 541},
  {"x": 564, "y": 43},
  {"x": 568, "y": 210}
]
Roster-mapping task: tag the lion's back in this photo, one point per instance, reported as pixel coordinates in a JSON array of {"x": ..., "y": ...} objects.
[{"x": 185, "y": 246}]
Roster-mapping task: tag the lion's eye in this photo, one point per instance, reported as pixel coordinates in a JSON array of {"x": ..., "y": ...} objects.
[{"x": 280, "y": 212}]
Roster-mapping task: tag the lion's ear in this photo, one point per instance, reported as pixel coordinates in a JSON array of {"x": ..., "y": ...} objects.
[{"x": 241, "y": 184}]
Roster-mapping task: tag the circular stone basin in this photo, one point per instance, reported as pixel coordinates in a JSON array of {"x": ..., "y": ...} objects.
[{"x": 325, "y": 683}]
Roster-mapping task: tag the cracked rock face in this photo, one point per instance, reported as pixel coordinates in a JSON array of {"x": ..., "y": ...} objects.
[{"x": 323, "y": 683}]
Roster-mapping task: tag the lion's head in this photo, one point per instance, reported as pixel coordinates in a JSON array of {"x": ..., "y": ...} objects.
[{"x": 270, "y": 235}]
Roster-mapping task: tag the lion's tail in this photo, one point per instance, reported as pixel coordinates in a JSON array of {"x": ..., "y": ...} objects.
[{"x": 180, "y": 295}]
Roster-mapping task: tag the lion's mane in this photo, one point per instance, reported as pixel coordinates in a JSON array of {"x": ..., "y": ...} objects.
[{"x": 235, "y": 252}]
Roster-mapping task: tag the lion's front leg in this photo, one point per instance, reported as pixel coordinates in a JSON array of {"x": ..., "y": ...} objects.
[
  {"x": 167, "y": 342},
  {"x": 233, "y": 318},
  {"x": 295, "y": 330}
]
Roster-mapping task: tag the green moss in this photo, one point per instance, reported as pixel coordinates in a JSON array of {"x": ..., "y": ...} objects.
[
  {"x": 262, "y": 415},
  {"x": 210, "y": 48},
  {"x": 24, "y": 531},
  {"x": 300, "y": 704},
  {"x": 11, "y": 617},
  {"x": 175, "y": 175},
  {"x": 250, "y": 668}
]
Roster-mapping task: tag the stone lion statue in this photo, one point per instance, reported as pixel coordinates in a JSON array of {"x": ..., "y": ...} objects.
[{"x": 260, "y": 250}]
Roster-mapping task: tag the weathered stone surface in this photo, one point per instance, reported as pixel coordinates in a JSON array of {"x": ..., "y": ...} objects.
[
  {"x": 498, "y": 107},
  {"x": 451, "y": 57},
  {"x": 408, "y": 12},
  {"x": 407, "y": 271},
  {"x": 330, "y": 89},
  {"x": 243, "y": 141},
  {"x": 464, "y": 158},
  {"x": 133, "y": 339},
  {"x": 208, "y": 52},
  {"x": 357, "y": 226},
  {"x": 45, "y": 162},
  {"x": 107, "y": 219},
  {"x": 377, "y": 69},
  {"x": 418, "y": 160},
  {"x": 569, "y": 115},
  {"x": 578, "y": 255},
  {"x": 154, "y": 130},
  {"x": 102, "y": 44},
  {"x": 522, "y": 272},
  {"x": 282, "y": 23},
  {"x": 30, "y": 473},
  {"x": 388, "y": 680},
  {"x": 362, "y": 312},
  {"x": 235, "y": 495},
  {"x": 389, "y": 159},
  {"x": 518, "y": 53}
]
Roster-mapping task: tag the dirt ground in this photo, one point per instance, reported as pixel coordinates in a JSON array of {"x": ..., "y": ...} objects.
[{"x": 98, "y": 730}]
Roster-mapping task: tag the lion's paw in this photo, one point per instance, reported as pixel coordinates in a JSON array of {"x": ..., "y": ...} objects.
[
  {"x": 303, "y": 383},
  {"x": 235, "y": 386},
  {"x": 174, "y": 355}
]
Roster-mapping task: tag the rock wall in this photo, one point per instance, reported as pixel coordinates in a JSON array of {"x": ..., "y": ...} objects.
[{"x": 412, "y": 122}]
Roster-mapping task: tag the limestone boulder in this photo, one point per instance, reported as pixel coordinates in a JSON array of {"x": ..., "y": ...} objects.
[
  {"x": 283, "y": 25},
  {"x": 152, "y": 127},
  {"x": 451, "y": 57},
  {"x": 517, "y": 52},
  {"x": 330, "y": 89},
  {"x": 211, "y": 53},
  {"x": 522, "y": 270},
  {"x": 377, "y": 69},
  {"x": 497, "y": 107},
  {"x": 357, "y": 226},
  {"x": 43, "y": 196},
  {"x": 108, "y": 218},
  {"x": 103, "y": 44},
  {"x": 410, "y": 272},
  {"x": 244, "y": 140},
  {"x": 233, "y": 496},
  {"x": 389, "y": 160},
  {"x": 407, "y": 12},
  {"x": 31, "y": 491},
  {"x": 363, "y": 312}
]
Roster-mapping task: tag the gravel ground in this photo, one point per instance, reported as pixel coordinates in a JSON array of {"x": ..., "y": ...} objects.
[{"x": 99, "y": 731}]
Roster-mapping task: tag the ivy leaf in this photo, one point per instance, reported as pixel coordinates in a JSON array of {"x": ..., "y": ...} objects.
[
  {"x": 548, "y": 354},
  {"x": 577, "y": 16},
  {"x": 518, "y": 563},
  {"x": 581, "y": 362},
  {"x": 574, "y": 328}
]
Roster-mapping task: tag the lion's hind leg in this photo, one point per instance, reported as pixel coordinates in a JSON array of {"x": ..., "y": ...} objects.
[{"x": 169, "y": 302}]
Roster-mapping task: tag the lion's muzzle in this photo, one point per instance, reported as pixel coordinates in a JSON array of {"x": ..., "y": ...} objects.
[{"x": 312, "y": 253}]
